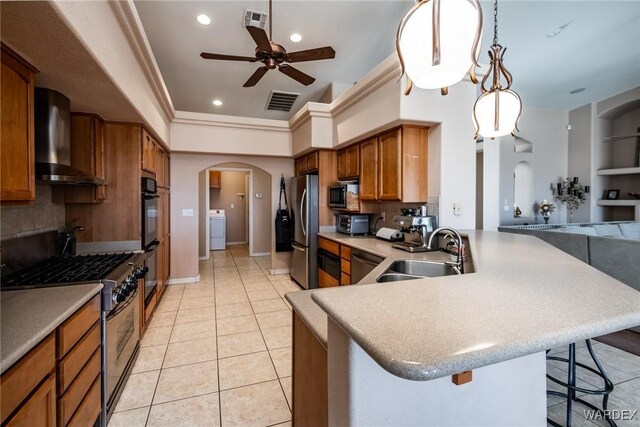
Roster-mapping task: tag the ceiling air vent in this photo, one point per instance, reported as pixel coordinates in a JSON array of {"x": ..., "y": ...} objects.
[
  {"x": 254, "y": 18},
  {"x": 281, "y": 101}
]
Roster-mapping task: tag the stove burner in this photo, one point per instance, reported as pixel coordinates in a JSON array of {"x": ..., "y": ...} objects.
[{"x": 81, "y": 268}]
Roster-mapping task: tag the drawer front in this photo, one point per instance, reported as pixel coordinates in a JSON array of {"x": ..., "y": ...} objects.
[
  {"x": 345, "y": 266},
  {"x": 70, "y": 332},
  {"x": 68, "y": 402},
  {"x": 329, "y": 245},
  {"x": 40, "y": 409},
  {"x": 71, "y": 365},
  {"x": 22, "y": 378},
  {"x": 88, "y": 411},
  {"x": 345, "y": 279},
  {"x": 345, "y": 252}
]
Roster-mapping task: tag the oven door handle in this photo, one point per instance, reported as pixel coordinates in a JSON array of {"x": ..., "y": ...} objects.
[
  {"x": 152, "y": 247},
  {"x": 123, "y": 306},
  {"x": 151, "y": 196}
]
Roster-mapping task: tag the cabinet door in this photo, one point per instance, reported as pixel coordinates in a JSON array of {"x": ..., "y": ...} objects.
[
  {"x": 160, "y": 267},
  {"x": 87, "y": 155},
  {"x": 390, "y": 166},
  {"x": 148, "y": 152},
  {"x": 17, "y": 162},
  {"x": 369, "y": 170},
  {"x": 353, "y": 161},
  {"x": 39, "y": 409},
  {"x": 167, "y": 170},
  {"x": 215, "y": 179},
  {"x": 312, "y": 162},
  {"x": 301, "y": 165},
  {"x": 166, "y": 213},
  {"x": 160, "y": 166},
  {"x": 342, "y": 164},
  {"x": 167, "y": 259}
]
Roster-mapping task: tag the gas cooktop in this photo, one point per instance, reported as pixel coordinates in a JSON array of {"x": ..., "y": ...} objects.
[{"x": 77, "y": 269}]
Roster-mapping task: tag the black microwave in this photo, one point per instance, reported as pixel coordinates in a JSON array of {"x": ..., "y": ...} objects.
[{"x": 338, "y": 194}]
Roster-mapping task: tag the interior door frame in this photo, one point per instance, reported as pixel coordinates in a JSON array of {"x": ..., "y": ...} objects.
[{"x": 208, "y": 206}]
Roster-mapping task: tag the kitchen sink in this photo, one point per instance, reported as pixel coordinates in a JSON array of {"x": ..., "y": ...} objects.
[{"x": 408, "y": 269}]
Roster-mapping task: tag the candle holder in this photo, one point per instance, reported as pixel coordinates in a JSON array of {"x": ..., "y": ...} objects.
[{"x": 570, "y": 192}]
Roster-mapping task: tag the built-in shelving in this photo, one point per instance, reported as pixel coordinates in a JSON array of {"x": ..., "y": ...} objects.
[
  {"x": 616, "y": 138},
  {"x": 619, "y": 202},
  {"x": 619, "y": 171}
]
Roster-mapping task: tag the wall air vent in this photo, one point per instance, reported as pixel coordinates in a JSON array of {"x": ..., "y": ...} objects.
[
  {"x": 254, "y": 18},
  {"x": 281, "y": 101}
]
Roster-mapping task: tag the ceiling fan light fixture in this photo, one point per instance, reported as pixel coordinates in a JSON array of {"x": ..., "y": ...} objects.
[
  {"x": 217, "y": 102},
  {"x": 497, "y": 110},
  {"x": 295, "y": 37},
  {"x": 438, "y": 42},
  {"x": 203, "y": 19}
]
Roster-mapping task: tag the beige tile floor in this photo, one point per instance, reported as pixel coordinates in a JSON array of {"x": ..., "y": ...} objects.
[{"x": 219, "y": 353}]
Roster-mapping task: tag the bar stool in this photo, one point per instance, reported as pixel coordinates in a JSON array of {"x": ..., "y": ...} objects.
[{"x": 571, "y": 387}]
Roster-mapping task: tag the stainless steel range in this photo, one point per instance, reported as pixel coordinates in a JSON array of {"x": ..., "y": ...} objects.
[{"x": 119, "y": 273}]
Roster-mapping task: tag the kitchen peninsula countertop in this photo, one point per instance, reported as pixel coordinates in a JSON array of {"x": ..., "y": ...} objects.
[
  {"x": 28, "y": 316},
  {"x": 524, "y": 297}
]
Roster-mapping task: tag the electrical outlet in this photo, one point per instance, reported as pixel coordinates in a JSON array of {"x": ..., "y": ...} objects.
[
  {"x": 457, "y": 209},
  {"x": 383, "y": 216}
]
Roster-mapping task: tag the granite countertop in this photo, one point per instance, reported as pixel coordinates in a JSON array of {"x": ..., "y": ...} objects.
[
  {"x": 28, "y": 316},
  {"x": 525, "y": 296}
]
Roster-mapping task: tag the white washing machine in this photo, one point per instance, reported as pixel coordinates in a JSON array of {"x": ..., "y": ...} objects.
[{"x": 217, "y": 229}]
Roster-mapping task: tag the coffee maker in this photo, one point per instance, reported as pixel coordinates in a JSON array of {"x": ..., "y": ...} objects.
[{"x": 416, "y": 221}]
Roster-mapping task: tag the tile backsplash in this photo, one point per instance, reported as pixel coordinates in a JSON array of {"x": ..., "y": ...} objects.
[{"x": 43, "y": 215}]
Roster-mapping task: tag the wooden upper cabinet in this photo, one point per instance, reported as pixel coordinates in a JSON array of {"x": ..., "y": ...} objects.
[
  {"x": 369, "y": 170},
  {"x": 149, "y": 152},
  {"x": 312, "y": 162},
  {"x": 88, "y": 156},
  {"x": 215, "y": 179},
  {"x": 349, "y": 162},
  {"x": 415, "y": 160},
  {"x": 301, "y": 165},
  {"x": 390, "y": 165},
  {"x": 17, "y": 162},
  {"x": 160, "y": 166}
]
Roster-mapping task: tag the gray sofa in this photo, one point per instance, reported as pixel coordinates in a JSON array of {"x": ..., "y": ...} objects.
[{"x": 611, "y": 247}]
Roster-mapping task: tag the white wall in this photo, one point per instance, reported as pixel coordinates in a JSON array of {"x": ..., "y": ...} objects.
[
  {"x": 213, "y": 133},
  {"x": 546, "y": 130},
  {"x": 579, "y": 156},
  {"x": 107, "y": 31},
  {"x": 185, "y": 170}
]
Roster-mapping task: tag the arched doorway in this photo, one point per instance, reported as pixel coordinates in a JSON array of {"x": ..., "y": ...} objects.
[{"x": 244, "y": 193}]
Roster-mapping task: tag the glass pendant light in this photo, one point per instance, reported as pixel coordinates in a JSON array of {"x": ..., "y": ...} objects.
[
  {"x": 496, "y": 111},
  {"x": 438, "y": 42}
]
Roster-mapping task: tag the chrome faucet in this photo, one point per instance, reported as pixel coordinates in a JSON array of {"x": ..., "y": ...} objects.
[{"x": 459, "y": 266}]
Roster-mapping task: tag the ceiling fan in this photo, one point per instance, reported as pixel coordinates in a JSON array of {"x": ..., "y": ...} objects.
[{"x": 273, "y": 55}]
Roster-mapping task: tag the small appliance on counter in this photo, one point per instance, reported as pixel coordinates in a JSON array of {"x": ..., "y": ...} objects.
[
  {"x": 390, "y": 234},
  {"x": 344, "y": 195},
  {"x": 412, "y": 221},
  {"x": 352, "y": 223}
]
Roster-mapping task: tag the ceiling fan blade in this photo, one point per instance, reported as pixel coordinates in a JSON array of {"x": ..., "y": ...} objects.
[
  {"x": 260, "y": 37},
  {"x": 296, "y": 74},
  {"x": 207, "y": 55},
  {"x": 256, "y": 76},
  {"x": 326, "y": 52}
]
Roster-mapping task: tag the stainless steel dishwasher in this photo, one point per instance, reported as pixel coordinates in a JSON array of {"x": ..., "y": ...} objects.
[{"x": 362, "y": 263}]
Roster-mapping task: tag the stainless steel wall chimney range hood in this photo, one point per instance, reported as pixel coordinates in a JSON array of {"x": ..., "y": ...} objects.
[{"x": 53, "y": 141}]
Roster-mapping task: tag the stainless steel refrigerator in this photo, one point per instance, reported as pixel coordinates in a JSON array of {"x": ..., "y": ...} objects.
[{"x": 304, "y": 202}]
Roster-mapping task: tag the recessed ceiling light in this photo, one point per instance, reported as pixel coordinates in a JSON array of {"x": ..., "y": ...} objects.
[
  {"x": 295, "y": 37},
  {"x": 558, "y": 30},
  {"x": 578, "y": 90},
  {"x": 217, "y": 102},
  {"x": 204, "y": 19}
]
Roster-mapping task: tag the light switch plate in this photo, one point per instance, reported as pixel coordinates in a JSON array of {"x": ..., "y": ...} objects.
[{"x": 187, "y": 212}]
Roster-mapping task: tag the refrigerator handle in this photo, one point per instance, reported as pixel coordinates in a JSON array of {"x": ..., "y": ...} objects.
[
  {"x": 297, "y": 248},
  {"x": 304, "y": 194}
]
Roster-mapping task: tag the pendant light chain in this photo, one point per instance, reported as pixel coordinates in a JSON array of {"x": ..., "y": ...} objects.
[{"x": 495, "y": 22}]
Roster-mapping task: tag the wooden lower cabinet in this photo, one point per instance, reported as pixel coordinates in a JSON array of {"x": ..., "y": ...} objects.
[
  {"x": 40, "y": 409},
  {"x": 310, "y": 391},
  {"x": 325, "y": 280}
]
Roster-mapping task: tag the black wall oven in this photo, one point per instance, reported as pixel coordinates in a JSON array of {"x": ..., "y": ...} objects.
[{"x": 150, "y": 234}]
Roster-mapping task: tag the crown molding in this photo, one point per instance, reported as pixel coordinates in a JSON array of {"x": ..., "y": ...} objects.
[
  {"x": 238, "y": 122},
  {"x": 310, "y": 109},
  {"x": 127, "y": 15}
]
